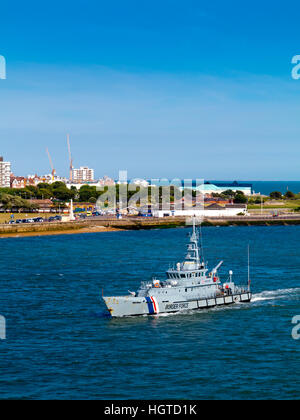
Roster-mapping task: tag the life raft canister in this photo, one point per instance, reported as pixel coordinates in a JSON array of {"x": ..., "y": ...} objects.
[{"x": 156, "y": 283}]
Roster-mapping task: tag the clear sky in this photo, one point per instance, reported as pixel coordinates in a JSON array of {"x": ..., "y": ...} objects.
[{"x": 166, "y": 88}]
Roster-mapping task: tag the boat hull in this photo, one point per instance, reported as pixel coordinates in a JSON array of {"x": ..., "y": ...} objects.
[{"x": 125, "y": 306}]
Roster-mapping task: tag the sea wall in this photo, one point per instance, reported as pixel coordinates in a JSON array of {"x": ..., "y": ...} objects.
[
  {"x": 40, "y": 227},
  {"x": 132, "y": 223}
]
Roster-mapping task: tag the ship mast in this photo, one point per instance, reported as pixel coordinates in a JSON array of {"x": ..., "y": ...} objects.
[
  {"x": 249, "y": 279},
  {"x": 193, "y": 247}
]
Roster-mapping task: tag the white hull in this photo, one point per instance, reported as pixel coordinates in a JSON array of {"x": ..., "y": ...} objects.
[{"x": 123, "y": 306}]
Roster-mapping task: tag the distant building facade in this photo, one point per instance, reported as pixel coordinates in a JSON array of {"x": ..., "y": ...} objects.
[
  {"x": 19, "y": 182},
  {"x": 83, "y": 174},
  {"x": 106, "y": 182},
  {"x": 5, "y": 172},
  {"x": 209, "y": 188},
  {"x": 213, "y": 210}
]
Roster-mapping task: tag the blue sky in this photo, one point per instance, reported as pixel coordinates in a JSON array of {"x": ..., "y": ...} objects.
[{"x": 190, "y": 89}]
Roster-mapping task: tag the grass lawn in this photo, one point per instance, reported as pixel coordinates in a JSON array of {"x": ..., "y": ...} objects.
[
  {"x": 288, "y": 204},
  {"x": 6, "y": 217}
]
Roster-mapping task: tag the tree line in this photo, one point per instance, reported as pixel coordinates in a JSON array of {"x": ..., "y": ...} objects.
[{"x": 59, "y": 194}]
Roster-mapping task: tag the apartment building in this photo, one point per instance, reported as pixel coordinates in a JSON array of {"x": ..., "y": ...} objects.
[
  {"x": 83, "y": 174},
  {"x": 5, "y": 171}
]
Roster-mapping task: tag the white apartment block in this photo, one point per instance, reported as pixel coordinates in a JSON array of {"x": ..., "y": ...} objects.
[
  {"x": 5, "y": 172},
  {"x": 82, "y": 175}
]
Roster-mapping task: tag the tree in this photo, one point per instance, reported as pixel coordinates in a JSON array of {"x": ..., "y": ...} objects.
[
  {"x": 240, "y": 198},
  {"x": 10, "y": 202},
  {"x": 289, "y": 195},
  {"x": 44, "y": 185},
  {"x": 228, "y": 193},
  {"x": 86, "y": 192},
  {"x": 61, "y": 192},
  {"x": 44, "y": 193},
  {"x": 57, "y": 184},
  {"x": 276, "y": 195}
]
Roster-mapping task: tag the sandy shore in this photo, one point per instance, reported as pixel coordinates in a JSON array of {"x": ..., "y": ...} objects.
[{"x": 92, "y": 229}]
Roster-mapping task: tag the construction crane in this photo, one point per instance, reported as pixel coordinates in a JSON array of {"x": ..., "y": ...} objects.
[
  {"x": 51, "y": 164},
  {"x": 70, "y": 158}
]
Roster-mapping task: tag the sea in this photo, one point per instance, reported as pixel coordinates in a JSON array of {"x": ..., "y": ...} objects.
[
  {"x": 266, "y": 187},
  {"x": 61, "y": 344}
]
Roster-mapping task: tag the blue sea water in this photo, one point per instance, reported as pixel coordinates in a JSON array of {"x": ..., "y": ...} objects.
[
  {"x": 60, "y": 343},
  {"x": 266, "y": 187}
]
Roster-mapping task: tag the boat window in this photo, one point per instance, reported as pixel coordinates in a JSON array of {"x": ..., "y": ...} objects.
[{"x": 182, "y": 276}]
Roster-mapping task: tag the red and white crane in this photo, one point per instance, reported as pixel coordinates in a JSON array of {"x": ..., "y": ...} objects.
[{"x": 53, "y": 171}]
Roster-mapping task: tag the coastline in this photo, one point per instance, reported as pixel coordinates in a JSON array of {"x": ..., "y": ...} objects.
[
  {"x": 114, "y": 225},
  {"x": 99, "y": 229}
]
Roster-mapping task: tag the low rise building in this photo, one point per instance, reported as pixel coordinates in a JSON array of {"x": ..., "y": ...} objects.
[
  {"x": 106, "y": 182},
  {"x": 209, "y": 188},
  {"x": 213, "y": 210},
  {"x": 43, "y": 206}
]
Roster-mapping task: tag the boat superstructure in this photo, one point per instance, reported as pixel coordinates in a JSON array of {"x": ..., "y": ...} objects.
[{"x": 188, "y": 286}]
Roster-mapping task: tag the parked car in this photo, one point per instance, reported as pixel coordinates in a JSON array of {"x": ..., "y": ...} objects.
[
  {"x": 38, "y": 220},
  {"x": 96, "y": 213},
  {"x": 55, "y": 219}
]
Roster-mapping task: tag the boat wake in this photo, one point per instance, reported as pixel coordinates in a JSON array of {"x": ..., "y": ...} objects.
[{"x": 276, "y": 294}]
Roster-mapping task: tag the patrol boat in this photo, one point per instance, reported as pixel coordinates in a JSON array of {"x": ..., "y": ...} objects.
[{"x": 189, "y": 286}]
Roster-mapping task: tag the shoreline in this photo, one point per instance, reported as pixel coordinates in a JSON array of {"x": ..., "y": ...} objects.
[
  {"x": 114, "y": 225},
  {"x": 98, "y": 229}
]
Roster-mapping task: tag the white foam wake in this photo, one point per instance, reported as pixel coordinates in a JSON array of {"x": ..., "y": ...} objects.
[{"x": 276, "y": 294}]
